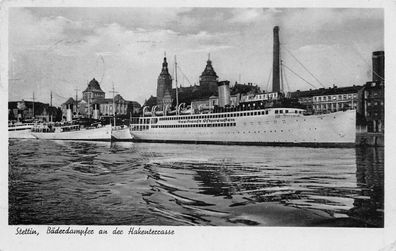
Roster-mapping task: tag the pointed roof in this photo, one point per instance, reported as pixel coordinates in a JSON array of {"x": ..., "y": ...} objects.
[
  {"x": 69, "y": 101},
  {"x": 93, "y": 86},
  {"x": 164, "y": 70},
  {"x": 209, "y": 71}
]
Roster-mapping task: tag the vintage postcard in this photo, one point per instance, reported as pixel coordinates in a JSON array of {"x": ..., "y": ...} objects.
[{"x": 230, "y": 127}]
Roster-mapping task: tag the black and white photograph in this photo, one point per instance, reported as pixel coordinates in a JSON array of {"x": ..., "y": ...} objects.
[{"x": 148, "y": 117}]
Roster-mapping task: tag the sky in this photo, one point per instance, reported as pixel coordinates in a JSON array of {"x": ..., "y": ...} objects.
[{"x": 61, "y": 49}]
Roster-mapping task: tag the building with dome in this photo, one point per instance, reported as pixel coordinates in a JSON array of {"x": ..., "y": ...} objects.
[
  {"x": 209, "y": 79},
  {"x": 93, "y": 91},
  {"x": 94, "y": 104}
]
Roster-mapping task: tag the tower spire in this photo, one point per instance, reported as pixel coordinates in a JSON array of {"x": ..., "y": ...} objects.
[
  {"x": 209, "y": 56},
  {"x": 165, "y": 67}
]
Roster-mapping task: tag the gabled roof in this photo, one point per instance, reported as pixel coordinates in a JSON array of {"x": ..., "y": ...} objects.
[{"x": 69, "y": 101}]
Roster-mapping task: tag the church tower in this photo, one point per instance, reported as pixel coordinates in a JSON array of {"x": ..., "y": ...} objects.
[
  {"x": 164, "y": 86},
  {"x": 208, "y": 78}
]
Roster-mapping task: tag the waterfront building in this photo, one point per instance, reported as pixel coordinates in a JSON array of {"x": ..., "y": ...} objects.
[
  {"x": 373, "y": 97},
  {"x": 93, "y": 92},
  {"x": 121, "y": 106},
  {"x": 94, "y": 104},
  {"x": 28, "y": 110},
  {"x": 374, "y": 108},
  {"x": 332, "y": 99}
]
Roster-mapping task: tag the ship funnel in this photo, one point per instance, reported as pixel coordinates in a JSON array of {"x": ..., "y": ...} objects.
[
  {"x": 224, "y": 93},
  {"x": 275, "y": 64},
  {"x": 69, "y": 116},
  {"x": 378, "y": 66},
  {"x": 96, "y": 111}
]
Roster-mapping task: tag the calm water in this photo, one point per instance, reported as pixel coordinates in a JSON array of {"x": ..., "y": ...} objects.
[{"x": 66, "y": 182}]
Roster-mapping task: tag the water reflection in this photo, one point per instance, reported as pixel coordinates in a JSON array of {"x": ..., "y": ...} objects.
[
  {"x": 65, "y": 182},
  {"x": 369, "y": 205}
]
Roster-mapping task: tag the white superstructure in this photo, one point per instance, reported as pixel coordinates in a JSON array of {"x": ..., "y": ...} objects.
[
  {"x": 20, "y": 131},
  {"x": 272, "y": 126}
]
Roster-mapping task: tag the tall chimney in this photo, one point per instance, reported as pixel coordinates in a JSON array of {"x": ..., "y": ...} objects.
[
  {"x": 275, "y": 65},
  {"x": 378, "y": 66}
]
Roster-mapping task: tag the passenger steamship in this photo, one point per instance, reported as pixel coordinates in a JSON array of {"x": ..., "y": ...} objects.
[{"x": 278, "y": 125}]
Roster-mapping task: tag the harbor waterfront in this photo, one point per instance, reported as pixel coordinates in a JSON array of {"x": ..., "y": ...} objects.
[{"x": 125, "y": 183}]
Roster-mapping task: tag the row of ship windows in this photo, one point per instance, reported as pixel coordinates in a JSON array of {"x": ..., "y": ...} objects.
[
  {"x": 242, "y": 114},
  {"x": 194, "y": 125},
  {"x": 245, "y": 132}
]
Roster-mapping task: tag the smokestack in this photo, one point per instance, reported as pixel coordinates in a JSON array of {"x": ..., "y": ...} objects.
[
  {"x": 378, "y": 66},
  {"x": 96, "y": 111},
  {"x": 224, "y": 93},
  {"x": 275, "y": 65},
  {"x": 69, "y": 115}
]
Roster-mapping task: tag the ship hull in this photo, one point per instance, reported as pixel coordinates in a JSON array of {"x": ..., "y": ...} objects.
[
  {"x": 122, "y": 134},
  {"x": 102, "y": 134},
  {"x": 21, "y": 134},
  {"x": 333, "y": 129}
]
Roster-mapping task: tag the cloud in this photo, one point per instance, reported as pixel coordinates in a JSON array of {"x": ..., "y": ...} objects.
[
  {"x": 246, "y": 16},
  {"x": 51, "y": 45}
]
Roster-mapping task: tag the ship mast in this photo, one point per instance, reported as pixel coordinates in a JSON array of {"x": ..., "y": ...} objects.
[
  {"x": 88, "y": 98},
  {"x": 114, "y": 115},
  {"x": 177, "y": 92},
  {"x": 33, "y": 106},
  {"x": 50, "y": 108},
  {"x": 76, "y": 89}
]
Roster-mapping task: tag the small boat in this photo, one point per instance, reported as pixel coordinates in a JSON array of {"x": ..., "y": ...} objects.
[
  {"x": 119, "y": 133},
  {"x": 72, "y": 132},
  {"x": 172, "y": 112},
  {"x": 20, "y": 130},
  {"x": 186, "y": 111}
]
